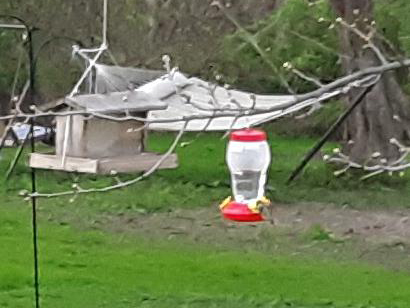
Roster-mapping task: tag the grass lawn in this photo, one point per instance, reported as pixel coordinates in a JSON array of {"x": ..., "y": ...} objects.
[
  {"x": 203, "y": 179},
  {"x": 95, "y": 269},
  {"x": 83, "y": 268}
]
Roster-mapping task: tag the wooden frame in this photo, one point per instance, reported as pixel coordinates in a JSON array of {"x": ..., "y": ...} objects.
[{"x": 121, "y": 164}]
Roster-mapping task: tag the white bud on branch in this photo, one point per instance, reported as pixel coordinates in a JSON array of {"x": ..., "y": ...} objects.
[
  {"x": 287, "y": 65},
  {"x": 376, "y": 155},
  {"x": 23, "y": 193},
  {"x": 166, "y": 58}
]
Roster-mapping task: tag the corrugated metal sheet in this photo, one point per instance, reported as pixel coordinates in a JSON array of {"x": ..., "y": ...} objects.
[
  {"x": 117, "y": 79},
  {"x": 116, "y": 102},
  {"x": 172, "y": 97},
  {"x": 175, "y": 90}
]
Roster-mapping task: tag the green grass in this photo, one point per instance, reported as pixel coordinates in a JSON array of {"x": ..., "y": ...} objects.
[
  {"x": 203, "y": 179},
  {"x": 95, "y": 269},
  {"x": 202, "y": 163}
]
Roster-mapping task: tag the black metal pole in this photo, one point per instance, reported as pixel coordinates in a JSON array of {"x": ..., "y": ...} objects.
[
  {"x": 34, "y": 222},
  {"x": 33, "y": 171},
  {"x": 33, "y": 58},
  {"x": 29, "y": 31},
  {"x": 328, "y": 133},
  {"x": 32, "y": 69}
]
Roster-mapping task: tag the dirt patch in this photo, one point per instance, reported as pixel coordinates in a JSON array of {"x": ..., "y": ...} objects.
[
  {"x": 376, "y": 236},
  {"x": 380, "y": 227},
  {"x": 374, "y": 226},
  {"x": 380, "y": 237}
]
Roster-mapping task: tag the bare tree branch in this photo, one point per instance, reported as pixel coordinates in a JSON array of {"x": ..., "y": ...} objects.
[
  {"x": 374, "y": 165},
  {"x": 367, "y": 38}
]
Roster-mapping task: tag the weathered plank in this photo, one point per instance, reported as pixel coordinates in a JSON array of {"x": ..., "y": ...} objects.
[
  {"x": 72, "y": 164},
  {"x": 99, "y": 138},
  {"x": 136, "y": 163},
  {"x": 3, "y": 126},
  {"x": 120, "y": 164}
]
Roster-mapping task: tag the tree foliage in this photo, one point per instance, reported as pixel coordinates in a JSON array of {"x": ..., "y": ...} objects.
[
  {"x": 142, "y": 30},
  {"x": 291, "y": 34},
  {"x": 295, "y": 34},
  {"x": 139, "y": 32}
]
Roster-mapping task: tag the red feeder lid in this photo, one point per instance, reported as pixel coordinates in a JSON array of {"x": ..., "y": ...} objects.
[
  {"x": 248, "y": 135},
  {"x": 240, "y": 212}
]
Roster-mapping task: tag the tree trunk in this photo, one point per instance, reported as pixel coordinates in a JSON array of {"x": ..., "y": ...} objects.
[{"x": 385, "y": 113}]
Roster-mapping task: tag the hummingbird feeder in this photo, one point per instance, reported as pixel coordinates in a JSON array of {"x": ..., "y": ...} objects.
[{"x": 248, "y": 158}]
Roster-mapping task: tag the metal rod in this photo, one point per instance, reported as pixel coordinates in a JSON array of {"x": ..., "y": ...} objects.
[
  {"x": 34, "y": 223},
  {"x": 328, "y": 133},
  {"x": 29, "y": 30},
  {"x": 31, "y": 86},
  {"x": 10, "y": 26},
  {"x": 105, "y": 22},
  {"x": 31, "y": 98},
  {"x": 33, "y": 171}
]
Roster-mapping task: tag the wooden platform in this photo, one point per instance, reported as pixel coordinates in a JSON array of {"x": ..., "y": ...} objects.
[{"x": 122, "y": 164}]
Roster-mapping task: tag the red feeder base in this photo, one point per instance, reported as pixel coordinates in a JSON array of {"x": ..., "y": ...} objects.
[{"x": 240, "y": 212}]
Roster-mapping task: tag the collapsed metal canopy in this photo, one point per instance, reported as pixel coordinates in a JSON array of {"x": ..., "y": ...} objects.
[
  {"x": 116, "y": 102},
  {"x": 116, "y": 78},
  {"x": 205, "y": 98},
  {"x": 172, "y": 98}
]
